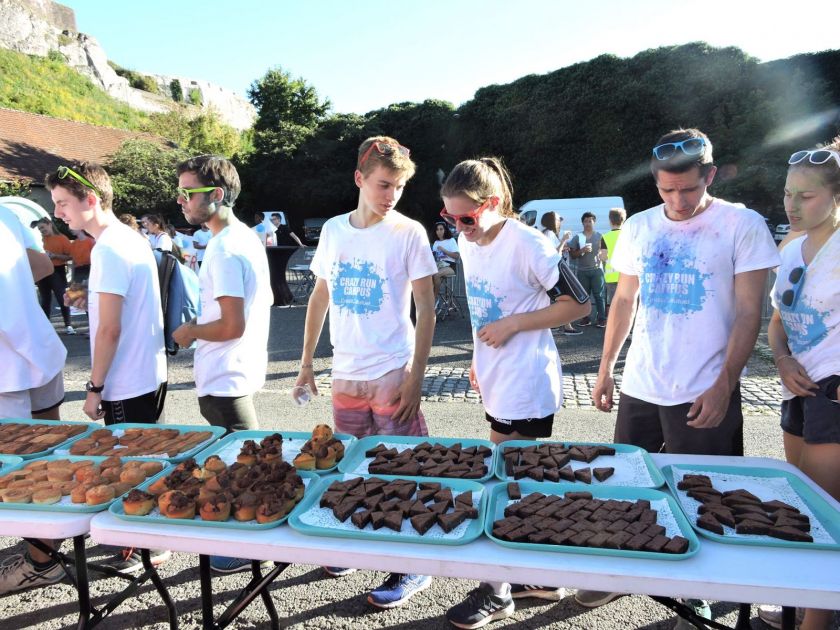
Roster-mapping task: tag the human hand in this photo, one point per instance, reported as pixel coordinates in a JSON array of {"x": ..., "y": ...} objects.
[
  {"x": 76, "y": 296},
  {"x": 708, "y": 410},
  {"x": 795, "y": 377},
  {"x": 408, "y": 396},
  {"x": 183, "y": 335},
  {"x": 602, "y": 393},
  {"x": 93, "y": 406},
  {"x": 306, "y": 376},
  {"x": 474, "y": 379},
  {"x": 495, "y": 334}
]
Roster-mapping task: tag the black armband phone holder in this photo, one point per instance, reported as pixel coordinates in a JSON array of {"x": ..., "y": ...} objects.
[{"x": 568, "y": 284}]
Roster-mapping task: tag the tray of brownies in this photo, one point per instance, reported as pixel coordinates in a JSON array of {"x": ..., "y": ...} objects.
[
  {"x": 416, "y": 510},
  {"x": 577, "y": 462},
  {"x": 410, "y": 456},
  {"x": 250, "y": 490},
  {"x": 753, "y": 506},
  {"x": 602, "y": 520}
]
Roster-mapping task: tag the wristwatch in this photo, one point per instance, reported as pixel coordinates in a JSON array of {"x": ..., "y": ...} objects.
[{"x": 90, "y": 387}]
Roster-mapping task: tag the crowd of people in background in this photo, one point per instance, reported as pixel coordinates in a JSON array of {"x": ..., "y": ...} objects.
[{"x": 687, "y": 277}]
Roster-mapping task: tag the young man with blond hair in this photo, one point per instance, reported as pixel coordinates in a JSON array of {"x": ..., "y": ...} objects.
[{"x": 369, "y": 263}]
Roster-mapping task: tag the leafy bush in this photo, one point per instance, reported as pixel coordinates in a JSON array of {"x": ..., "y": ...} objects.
[
  {"x": 195, "y": 97},
  {"x": 176, "y": 90}
]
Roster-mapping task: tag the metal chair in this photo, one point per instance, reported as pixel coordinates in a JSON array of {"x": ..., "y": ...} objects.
[
  {"x": 299, "y": 277},
  {"x": 447, "y": 301}
]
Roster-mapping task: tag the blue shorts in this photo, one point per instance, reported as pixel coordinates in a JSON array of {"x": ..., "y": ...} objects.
[{"x": 816, "y": 419}]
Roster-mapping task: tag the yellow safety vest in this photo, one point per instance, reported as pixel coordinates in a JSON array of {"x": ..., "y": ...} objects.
[{"x": 610, "y": 238}]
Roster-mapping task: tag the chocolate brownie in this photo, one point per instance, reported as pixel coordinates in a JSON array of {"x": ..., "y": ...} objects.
[
  {"x": 514, "y": 491},
  {"x": 709, "y": 523},
  {"x": 752, "y": 527},
  {"x": 678, "y": 544},
  {"x": 790, "y": 533},
  {"x": 602, "y": 474}
]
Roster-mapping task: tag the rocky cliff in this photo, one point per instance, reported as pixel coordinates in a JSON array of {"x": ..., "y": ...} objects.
[{"x": 35, "y": 27}]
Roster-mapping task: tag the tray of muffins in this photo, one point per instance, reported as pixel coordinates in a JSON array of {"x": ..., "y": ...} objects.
[
  {"x": 171, "y": 442},
  {"x": 748, "y": 505},
  {"x": 30, "y": 439},
  {"x": 577, "y": 462},
  {"x": 389, "y": 508},
  {"x": 601, "y": 520},
  {"x": 72, "y": 484},
  {"x": 229, "y": 490},
  {"x": 319, "y": 451},
  {"x": 411, "y": 456}
]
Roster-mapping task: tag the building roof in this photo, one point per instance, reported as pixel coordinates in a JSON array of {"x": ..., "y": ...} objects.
[{"x": 31, "y": 145}]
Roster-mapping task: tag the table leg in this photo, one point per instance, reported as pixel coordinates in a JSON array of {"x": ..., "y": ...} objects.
[
  {"x": 82, "y": 585},
  {"x": 161, "y": 588},
  {"x": 687, "y": 613},
  {"x": 208, "y": 623},
  {"x": 788, "y": 618},
  {"x": 257, "y": 586},
  {"x": 744, "y": 613}
]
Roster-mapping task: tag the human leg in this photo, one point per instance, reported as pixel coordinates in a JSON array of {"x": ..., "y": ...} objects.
[
  {"x": 148, "y": 407},
  {"x": 599, "y": 297},
  {"x": 637, "y": 423},
  {"x": 725, "y": 439},
  {"x": 351, "y": 410},
  {"x": 382, "y": 392},
  {"x": 585, "y": 278}
]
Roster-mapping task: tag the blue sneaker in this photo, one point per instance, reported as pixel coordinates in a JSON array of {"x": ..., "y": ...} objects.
[
  {"x": 225, "y": 564},
  {"x": 398, "y": 589},
  {"x": 339, "y": 571}
]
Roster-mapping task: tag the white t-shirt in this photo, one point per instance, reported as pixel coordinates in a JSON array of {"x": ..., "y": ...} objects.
[
  {"x": 523, "y": 378},
  {"x": 686, "y": 272},
  {"x": 812, "y": 322},
  {"x": 552, "y": 238},
  {"x": 369, "y": 273},
  {"x": 450, "y": 245},
  {"x": 122, "y": 263},
  {"x": 202, "y": 237},
  {"x": 235, "y": 265},
  {"x": 30, "y": 351},
  {"x": 161, "y": 241}
]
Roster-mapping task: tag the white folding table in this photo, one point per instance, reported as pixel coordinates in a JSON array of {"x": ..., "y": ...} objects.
[{"x": 727, "y": 572}]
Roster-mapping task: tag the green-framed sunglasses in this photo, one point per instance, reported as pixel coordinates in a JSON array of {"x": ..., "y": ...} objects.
[
  {"x": 65, "y": 171},
  {"x": 186, "y": 192}
]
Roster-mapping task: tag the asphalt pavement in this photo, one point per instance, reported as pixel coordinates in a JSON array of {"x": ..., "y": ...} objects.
[{"x": 305, "y": 597}]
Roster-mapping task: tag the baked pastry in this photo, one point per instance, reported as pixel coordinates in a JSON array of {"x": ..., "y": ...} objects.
[
  {"x": 203, "y": 474},
  {"x": 216, "y": 508},
  {"x": 98, "y": 495},
  {"x": 138, "y": 503},
  {"x": 270, "y": 511},
  {"x": 245, "y": 507},
  {"x": 304, "y": 461},
  {"x": 133, "y": 476},
  {"x": 159, "y": 486},
  {"x": 151, "y": 468},
  {"x": 325, "y": 457},
  {"x": 79, "y": 492},
  {"x": 322, "y": 432},
  {"x": 179, "y": 506},
  {"x": 16, "y": 495},
  {"x": 248, "y": 453},
  {"x": 60, "y": 474},
  {"x": 215, "y": 464}
]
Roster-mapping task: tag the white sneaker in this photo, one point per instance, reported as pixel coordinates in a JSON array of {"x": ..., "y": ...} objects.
[
  {"x": 69, "y": 331},
  {"x": 17, "y": 573},
  {"x": 772, "y": 615}
]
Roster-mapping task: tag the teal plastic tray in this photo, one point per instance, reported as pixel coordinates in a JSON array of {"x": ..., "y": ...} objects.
[
  {"x": 354, "y": 458},
  {"x": 184, "y": 428},
  {"x": 310, "y": 480},
  {"x": 231, "y": 440},
  {"x": 7, "y": 461},
  {"x": 499, "y": 500},
  {"x": 65, "y": 444},
  {"x": 657, "y": 480},
  {"x": 72, "y": 508},
  {"x": 473, "y": 529},
  {"x": 828, "y": 517}
]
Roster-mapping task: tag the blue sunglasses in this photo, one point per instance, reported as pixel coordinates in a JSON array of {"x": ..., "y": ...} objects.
[{"x": 691, "y": 147}]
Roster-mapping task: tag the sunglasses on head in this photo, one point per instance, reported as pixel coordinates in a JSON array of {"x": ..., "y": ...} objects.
[
  {"x": 468, "y": 218},
  {"x": 691, "y": 147},
  {"x": 65, "y": 172},
  {"x": 186, "y": 192},
  {"x": 797, "y": 279},
  {"x": 817, "y": 157},
  {"x": 384, "y": 148}
]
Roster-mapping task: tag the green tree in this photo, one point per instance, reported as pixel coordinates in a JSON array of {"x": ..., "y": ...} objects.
[
  {"x": 15, "y": 188},
  {"x": 176, "y": 90}
]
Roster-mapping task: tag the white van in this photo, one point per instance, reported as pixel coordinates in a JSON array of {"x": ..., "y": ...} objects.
[{"x": 531, "y": 213}]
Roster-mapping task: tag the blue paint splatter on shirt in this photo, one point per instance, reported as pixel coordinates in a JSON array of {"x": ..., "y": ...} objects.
[
  {"x": 485, "y": 306},
  {"x": 357, "y": 287},
  {"x": 670, "y": 281},
  {"x": 804, "y": 325}
]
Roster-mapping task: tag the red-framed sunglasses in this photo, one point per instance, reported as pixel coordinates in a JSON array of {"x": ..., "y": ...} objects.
[
  {"x": 383, "y": 148},
  {"x": 468, "y": 218}
]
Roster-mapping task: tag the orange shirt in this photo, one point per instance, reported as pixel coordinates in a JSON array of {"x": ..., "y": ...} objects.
[
  {"x": 57, "y": 244},
  {"x": 80, "y": 250}
]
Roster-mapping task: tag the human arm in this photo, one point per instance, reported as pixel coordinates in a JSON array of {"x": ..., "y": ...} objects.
[
  {"x": 105, "y": 347},
  {"x": 316, "y": 312},
  {"x": 708, "y": 410},
  {"x": 622, "y": 314},
  {"x": 199, "y": 244},
  {"x": 230, "y": 325},
  {"x": 409, "y": 392},
  {"x": 793, "y": 375},
  {"x": 296, "y": 239},
  {"x": 40, "y": 264},
  {"x": 561, "y": 312}
]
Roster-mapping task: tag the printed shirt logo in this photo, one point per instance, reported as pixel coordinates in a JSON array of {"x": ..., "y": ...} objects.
[
  {"x": 485, "y": 306},
  {"x": 357, "y": 288},
  {"x": 670, "y": 282},
  {"x": 804, "y": 325}
]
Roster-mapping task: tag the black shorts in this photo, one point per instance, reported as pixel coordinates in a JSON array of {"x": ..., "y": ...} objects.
[
  {"x": 816, "y": 419},
  {"x": 529, "y": 427},
  {"x": 145, "y": 409}
]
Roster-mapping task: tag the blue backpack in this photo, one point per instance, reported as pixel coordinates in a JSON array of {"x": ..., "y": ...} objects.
[{"x": 179, "y": 298}]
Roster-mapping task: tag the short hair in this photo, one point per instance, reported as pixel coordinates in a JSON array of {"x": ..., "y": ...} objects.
[
  {"x": 214, "y": 170},
  {"x": 92, "y": 172},
  {"x": 276, "y": 214},
  {"x": 679, "y": 162},
  {"x": 617, "y": 216},
  {"x": 396, "y": 161},
  {"x": 129, "y": 220},
  {"x": 587, "y": 215}
]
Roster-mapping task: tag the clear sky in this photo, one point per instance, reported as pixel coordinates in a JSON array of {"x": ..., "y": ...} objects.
[{"x": 367, "y": 54}]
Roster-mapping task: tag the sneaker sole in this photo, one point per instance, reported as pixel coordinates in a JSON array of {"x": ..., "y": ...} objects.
[
  {"x": 137, "y": 568},
  {"x": 339, "y": 573},
  {"x": 600, "y": 602},
  {"x": 399, "y": 602},
  {"x": 551, "y": 596},
  {"x": 246, "y": 567},
  {"x": 503, "y": 613}
]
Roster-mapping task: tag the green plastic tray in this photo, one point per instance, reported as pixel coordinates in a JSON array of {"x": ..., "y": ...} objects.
[
  {"x": 241, "y": 436},
  {"x": 473, "y": 530},
  {"x": 72, "y": 508},
  {"x": 828, "y": 517},
  {"x": 657, "y": 480},
  {"x": 310, "y": 480},
  {"x": 184, "y": 428},
  {"x": 91, "y": 426},
  {"x": 356, "y": 455},
  {"x": 499, "y": 500}
]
